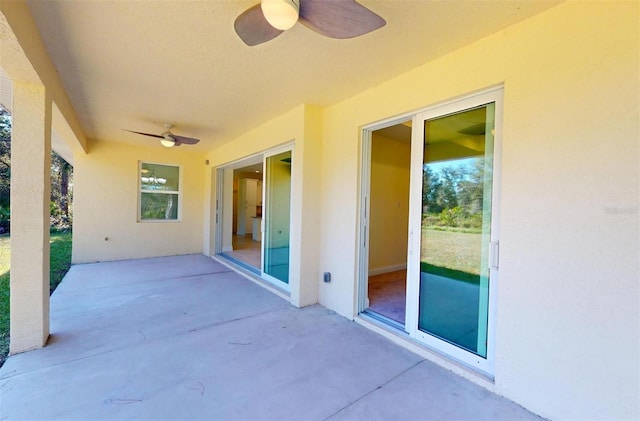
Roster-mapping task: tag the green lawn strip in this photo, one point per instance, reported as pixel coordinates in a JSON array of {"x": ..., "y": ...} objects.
[
  {"x": 5, "y": 260},
  {"x": 60, "y": 260},
  {"x": 59, "y": 265},
  {"x": 458, "y": 275}
]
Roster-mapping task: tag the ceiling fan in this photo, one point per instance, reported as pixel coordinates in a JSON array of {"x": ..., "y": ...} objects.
[
  {"x": 339, "y": 19},
  {"x": 169, "y": 139}
]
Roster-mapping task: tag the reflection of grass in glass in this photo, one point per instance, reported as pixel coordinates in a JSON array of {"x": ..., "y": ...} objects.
[
  {"x": 453, "y": 254},
  {"x": 450, "y": 273}
]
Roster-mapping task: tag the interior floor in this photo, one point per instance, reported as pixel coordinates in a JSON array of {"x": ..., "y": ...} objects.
[
  {"x": 246, "y": 250},
  {"x": 387, "y": 294}
]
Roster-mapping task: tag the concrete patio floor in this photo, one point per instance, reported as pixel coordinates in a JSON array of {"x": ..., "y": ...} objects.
[{"x": 186, "y": 338}]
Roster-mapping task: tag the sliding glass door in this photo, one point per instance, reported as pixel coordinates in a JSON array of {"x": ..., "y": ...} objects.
[
  {"x": 454, "y": 264},
  {"x": 253, "y": 214},
  {"x": 452, "y": 253},
  {"x": 455, "y": 231},
  {"x": 277, "y": 216}
]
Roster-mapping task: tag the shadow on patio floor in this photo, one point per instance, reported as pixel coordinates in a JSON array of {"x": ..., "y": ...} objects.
[{"x": 185, "y": 338}]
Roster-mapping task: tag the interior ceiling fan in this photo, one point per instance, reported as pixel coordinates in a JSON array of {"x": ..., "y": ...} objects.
[
  {"x": 169, "y": 139},
  {"x": 332, "y": 18}
]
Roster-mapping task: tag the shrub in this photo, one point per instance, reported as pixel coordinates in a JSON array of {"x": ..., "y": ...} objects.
[{"x": 5, "y": 220}]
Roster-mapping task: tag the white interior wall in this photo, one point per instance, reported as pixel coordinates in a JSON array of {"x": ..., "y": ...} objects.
[{"x": 389, "y": 204}]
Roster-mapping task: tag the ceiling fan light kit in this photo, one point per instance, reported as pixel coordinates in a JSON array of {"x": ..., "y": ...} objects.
[
  {"x": 167, "y": 142},
  {"x": 281, "y": 14}
]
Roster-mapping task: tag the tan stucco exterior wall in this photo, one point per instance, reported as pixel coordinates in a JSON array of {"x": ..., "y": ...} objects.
[
  {"x": 30, "y": 198},
  {"x": 42, "y": 116},
  {"x": 106, "y": 199},
  {"x": 567, "y": 317}
]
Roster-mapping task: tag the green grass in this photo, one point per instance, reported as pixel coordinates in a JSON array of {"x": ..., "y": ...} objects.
[
  {"x": 453, "y": 254},
  {"x": 5, "y": 260},
  {"x": 60, "y": 263}
]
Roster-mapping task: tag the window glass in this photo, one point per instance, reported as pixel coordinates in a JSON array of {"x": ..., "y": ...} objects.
[
  {"x": 159, "y": 177},
  {"x": 159, "y": 192}
]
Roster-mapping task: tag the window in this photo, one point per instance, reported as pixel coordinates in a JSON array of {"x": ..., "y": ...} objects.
[{"x": 159, "y": 192}]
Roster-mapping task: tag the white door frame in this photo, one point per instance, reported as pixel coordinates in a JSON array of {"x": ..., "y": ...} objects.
[
  {"x": 265, "y": 211},
  {"x": 364, "y": 210},
  {"x": 220, "y": 205},
  {"x": 492, "y": 95}
]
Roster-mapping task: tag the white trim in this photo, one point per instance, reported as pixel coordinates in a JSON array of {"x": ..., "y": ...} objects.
[
  {"x": 287, "y": 147},
  {"x": 387, "y": 269},
  {"x": 218, "y": 211},
  {"x": 404, "y": 340},
  {"x": 362, "y": 250},
  {"x": 363, "y": 229},
  {"x": 256, "y": 157},
  {"x": 255, "y": 279}
]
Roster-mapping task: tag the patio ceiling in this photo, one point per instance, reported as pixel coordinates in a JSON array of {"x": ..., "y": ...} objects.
[{"x": 137, "y": 64}]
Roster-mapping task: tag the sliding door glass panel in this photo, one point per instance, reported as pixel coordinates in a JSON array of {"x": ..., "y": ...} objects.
[
  {"x": 277, "y": 216},
  {"x": 455, "y": 228}
]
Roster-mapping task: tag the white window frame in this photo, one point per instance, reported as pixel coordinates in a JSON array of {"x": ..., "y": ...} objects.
[{"x": 140, "y": 192}]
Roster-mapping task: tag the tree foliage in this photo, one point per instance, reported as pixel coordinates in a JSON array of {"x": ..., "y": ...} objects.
[
  {"x": 453, "y": 196},
  {"x": 61, "y": 194},
  {"x": 5, "y": 157},
  {"x": 61, "y": 181}
]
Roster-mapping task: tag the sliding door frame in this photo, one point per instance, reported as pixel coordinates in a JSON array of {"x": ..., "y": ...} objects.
[
  {"x": 491, "y": 95},
  {"x": 265, "y": 212},
  {"x": 485, "y": 365},
  {"x": 222, "y": 196},
  {"x": 362, "y": 302}
]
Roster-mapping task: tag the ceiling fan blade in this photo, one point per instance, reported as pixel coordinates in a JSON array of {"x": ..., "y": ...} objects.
[
  {"x": 253, "y": 28},
  {"x": 185, "y": 140},
  {"x": 339, "y": 19},
  {"x": 145, "y": 134}
]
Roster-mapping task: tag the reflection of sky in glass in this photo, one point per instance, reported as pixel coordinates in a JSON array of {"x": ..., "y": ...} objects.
[{"x": 467, "y": 163}]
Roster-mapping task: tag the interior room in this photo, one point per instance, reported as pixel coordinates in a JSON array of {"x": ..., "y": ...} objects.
[
  {"x": 259, "y": 219},
  {"x": 247, "y": 216},
  {"x": 388, "y": 226}
]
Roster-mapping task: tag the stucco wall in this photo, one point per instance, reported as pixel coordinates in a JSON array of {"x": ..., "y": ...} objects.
[
  {"x": 567, "y": 318},
  {"x": 106, "y": 197}
]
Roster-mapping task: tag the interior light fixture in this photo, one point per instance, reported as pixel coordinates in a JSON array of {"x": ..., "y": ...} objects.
[
  {"x": 281, "y": 14},
  {"x": 168, "y": 143}
]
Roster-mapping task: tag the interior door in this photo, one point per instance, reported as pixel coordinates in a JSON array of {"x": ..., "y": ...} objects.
[
  {"x": 277, "y": 220},
  {"x": 453, "y": 231}
]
